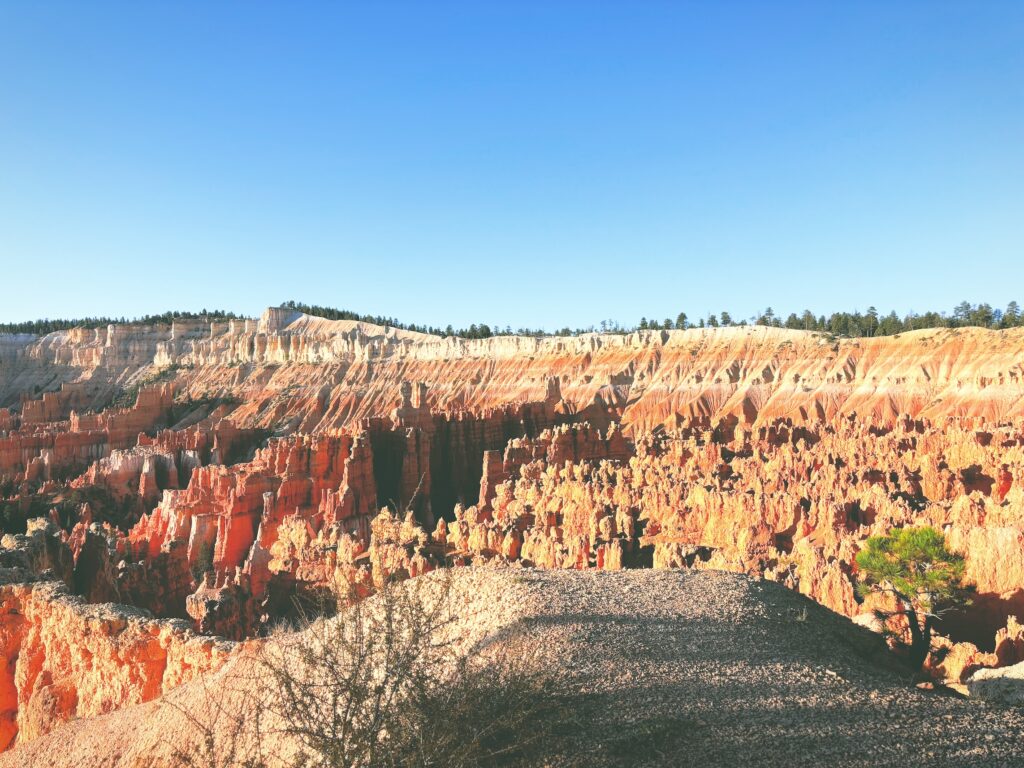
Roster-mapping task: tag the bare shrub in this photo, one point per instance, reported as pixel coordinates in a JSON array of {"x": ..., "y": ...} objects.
[{"x": 385, "y": 684}]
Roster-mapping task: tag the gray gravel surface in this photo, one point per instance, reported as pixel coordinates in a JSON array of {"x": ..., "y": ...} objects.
[{"x": 716, "y": 669}]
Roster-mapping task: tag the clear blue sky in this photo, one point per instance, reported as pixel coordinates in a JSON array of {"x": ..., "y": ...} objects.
[{"x": 526, "y": 163}]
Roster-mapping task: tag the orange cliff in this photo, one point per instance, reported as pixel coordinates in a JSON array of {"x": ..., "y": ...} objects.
[
  {"x": 643, "y": 379},
  {"x": 66, "y": 658},
  {"x": 302, "y": 373}
]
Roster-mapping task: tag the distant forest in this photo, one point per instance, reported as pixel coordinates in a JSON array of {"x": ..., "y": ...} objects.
[
  {"x": 46, "y": 325},
  {"x": 856, "y": 324},
  {"x": 868, "y": 323}
]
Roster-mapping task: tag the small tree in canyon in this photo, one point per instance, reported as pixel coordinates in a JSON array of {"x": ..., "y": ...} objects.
[{"x": 915, "y": 566}]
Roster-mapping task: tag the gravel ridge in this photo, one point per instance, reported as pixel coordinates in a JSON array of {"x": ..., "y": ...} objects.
[{"x": 665, "y": 668}]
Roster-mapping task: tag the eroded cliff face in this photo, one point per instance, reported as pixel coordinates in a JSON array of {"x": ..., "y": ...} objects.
[
  {"x": 293, "y": 371},
  {"x": 643, "y": 380},
  {"x": 65, "y": 658},
  {"x": 217, "y": 479}
]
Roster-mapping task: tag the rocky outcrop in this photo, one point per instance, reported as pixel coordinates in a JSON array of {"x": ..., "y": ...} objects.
[
  {"x": 61, "y": 657},
  {"x": 82, "y": 438},
  {"x": 1000, "y": 686},
  {"x": 751, "y": 673},
  {"x": 222, "y": 605}
]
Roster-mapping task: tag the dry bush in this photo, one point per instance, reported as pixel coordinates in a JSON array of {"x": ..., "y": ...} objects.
[{"x": 384, "y": 684}]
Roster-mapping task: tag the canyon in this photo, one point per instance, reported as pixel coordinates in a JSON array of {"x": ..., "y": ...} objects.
[{"x": 170, "y": 493}]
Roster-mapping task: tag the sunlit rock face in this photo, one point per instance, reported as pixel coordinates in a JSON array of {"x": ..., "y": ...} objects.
[
  {"x": 175, "y": 484},
  {"x": 65, "y": 657},
  {"x": 321, "y": 374}
]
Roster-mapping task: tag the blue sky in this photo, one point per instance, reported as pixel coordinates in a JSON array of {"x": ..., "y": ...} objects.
[{"x": 526, "y": 163}]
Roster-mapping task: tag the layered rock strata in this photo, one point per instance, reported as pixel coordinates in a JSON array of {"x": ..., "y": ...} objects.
[{"x": 291, "y": 370}]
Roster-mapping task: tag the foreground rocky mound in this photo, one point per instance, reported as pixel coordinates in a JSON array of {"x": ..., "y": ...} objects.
[{"x": 662, "y": 667}]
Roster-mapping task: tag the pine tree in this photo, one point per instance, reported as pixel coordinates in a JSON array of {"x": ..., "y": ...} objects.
[
  {"x": 962, "y": 312},
  {"x": 914, "y": 566},
  {"x": 1011, "y": 317},
  {"x": 871, "y": 321}
]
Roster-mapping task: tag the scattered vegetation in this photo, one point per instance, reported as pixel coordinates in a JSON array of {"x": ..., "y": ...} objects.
[
  {"x": 203, "y": 563},
  {"x": 128, "y": 395},
  {"x": 185, "y": 405},
  {"x": 914, "y": 566},
  {"x": 17, "y": 510},
  {"x": 852, "y": 324},
  {"x": 872, "y": 323}
]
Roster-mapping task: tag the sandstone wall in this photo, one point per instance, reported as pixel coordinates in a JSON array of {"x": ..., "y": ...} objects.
[
  {"x": 61, "y": 657},
  {"x": 290, "y": 369}
]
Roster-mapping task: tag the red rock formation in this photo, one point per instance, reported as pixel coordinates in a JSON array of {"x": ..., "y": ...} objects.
[
  {"x": 62, "y": 657},
  {"x": 228, "y": 518},
  {"x": 84, "y": 438},
  {"x": 1010, "y": 643},
  {"x": 790, "y": 503},
  {"x": 222, "y": 606}
]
